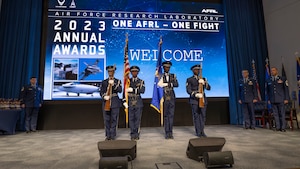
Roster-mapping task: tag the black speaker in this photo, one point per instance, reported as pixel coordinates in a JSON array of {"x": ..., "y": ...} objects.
[
  {"x": 198, "y": 146},
  {"x": 218, "y": 159},
  {"x": 113, "y": 163},
  {"x": 117, "y": 148}
]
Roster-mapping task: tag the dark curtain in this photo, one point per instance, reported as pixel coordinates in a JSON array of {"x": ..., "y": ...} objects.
[
  {"x": 245, "y": 40},
  {"x": 20, "y": 44}
]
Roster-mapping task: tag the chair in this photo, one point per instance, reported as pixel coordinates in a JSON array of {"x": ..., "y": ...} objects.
[
  {"x": 260, "y": 112},
  {"x": 291, "y": 114}
]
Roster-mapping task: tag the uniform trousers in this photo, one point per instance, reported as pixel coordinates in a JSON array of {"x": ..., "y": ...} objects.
[
  {"x": 248, "y": 112},
  {"x": 199, "y": 118},
  {"x": 31, "y": 116},
  {"x": 135, "y": 114},
  {"x": 110, "y": 122},
  {"x": 279, "y": 115},
  {"x": 169, "y": 108}
]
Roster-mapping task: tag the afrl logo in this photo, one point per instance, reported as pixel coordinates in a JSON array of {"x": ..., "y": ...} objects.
[
  {"x": 63, "y": 4},
  {"x": 209, "y": 11}
]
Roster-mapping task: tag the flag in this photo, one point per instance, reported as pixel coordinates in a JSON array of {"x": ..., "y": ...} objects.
[
  {"x": 283, "y": 74},
  {"x": 126, "y": 78},
  {"x": 298, "y": 77},
  {"x": 267, "y": 77},
  {"x": 157, "y": 97},
  {"x": 255, "y": 78}
]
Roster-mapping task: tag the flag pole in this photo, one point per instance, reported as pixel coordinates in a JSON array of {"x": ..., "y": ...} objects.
[
  {"x": 157, "y": 97},
  {"x": 126, "y": 78},
  {"x": 254, "y": 76},
  {"x": 162, "y": 99}
]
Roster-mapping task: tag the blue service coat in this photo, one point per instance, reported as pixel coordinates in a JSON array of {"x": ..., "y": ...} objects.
[
  {"x": 168, "y": 90},
  {"x": 277, "y": 90},
  {"x": 116, "y": 88},
  {"x": 31, "y": 96},
  {"x": 192, "y": 88},
  {"x": 247, "y": 90},
  {"x": 138, "y": 88}
]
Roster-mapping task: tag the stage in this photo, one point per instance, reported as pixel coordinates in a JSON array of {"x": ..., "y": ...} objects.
[{"x": 77, "y": 149}]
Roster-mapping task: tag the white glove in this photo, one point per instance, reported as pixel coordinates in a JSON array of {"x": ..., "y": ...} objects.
[
  {"x": 199, "y": 95},
  {"x": 164, "y": 84},
  {"x": 125, "y": 105},
  {"x": 201, "y": 81},
  {"x": 111, "y": 81},
  {"x": 129, "y": 89},
  {"x": 106, "y": 97}
]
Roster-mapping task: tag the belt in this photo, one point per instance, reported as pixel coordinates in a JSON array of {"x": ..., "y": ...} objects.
[
  {"x": 168, "y": 88},
  {"x": 114, "y": 94},
  {"x": 133, "y": 95}
]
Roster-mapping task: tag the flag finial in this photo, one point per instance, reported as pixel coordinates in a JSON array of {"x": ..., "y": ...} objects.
[
  {"x": 160, "y": 40},
  {"x": 267, "y": 60},
  {"x": 126, "y": 35}
]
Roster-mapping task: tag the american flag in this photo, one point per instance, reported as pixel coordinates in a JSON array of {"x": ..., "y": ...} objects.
[
  {"x": 255, "y": 78},
  {"x": 126, "y": 77}
]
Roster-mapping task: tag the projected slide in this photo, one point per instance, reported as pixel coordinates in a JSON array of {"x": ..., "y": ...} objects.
[{"x": 84, "y": 36}]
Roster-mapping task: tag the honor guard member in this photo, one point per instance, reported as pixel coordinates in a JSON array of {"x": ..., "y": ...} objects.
[
  {"x": 248, "y": 96},
  {"x": 168, "y": 81},
  {"x": 31, "y": 100},
  {"x": 109, "y": 92},
  {"x": 192, "y": 88},
  {"x": 136, "y": 88},
  {"x": 278, "y": 95}
]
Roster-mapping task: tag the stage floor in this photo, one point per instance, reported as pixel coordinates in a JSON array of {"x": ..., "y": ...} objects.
[{"x": 77, "y": 149}]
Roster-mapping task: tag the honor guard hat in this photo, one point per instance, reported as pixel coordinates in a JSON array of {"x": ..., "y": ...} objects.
[
  {"x": 110, "y": 68},
  {"x": 134, "y": 68},
  {"x": 195, "y": 67},
  {"x": 167, "y": 64}
]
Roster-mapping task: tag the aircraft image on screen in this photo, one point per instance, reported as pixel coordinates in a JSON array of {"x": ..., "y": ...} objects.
[
  {"x": 78, "y": 88},
  {"x": 90, "y": 69}
]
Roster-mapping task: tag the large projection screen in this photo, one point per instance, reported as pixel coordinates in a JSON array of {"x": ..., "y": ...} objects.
[{"x": 84, "y": 36}]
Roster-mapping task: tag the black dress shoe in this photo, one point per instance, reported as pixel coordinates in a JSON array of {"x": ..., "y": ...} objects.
[
  {"x": 27, "y": 132},
  {"x": 283, "y": 130},
  {"x": 253, "y": 128}
]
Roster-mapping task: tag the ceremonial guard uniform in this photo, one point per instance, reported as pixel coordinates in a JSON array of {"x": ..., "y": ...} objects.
[
  {"x": 111, "y": 116},
  {"x": 31, "y": 100},
  {"x": 192, "y": 88},
  {"x": 168, "y": 81},
  {"x": 136, "y": 88},
  {"x": 248, "y": 96},
  {"x": 278, "y": 95}
]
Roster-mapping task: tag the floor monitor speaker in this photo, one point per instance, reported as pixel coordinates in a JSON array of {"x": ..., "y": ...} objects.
[
  {"x": 117, "y": 148},
  {"x": 197, "y": 146},
  {"x": 218, "y": 159}
]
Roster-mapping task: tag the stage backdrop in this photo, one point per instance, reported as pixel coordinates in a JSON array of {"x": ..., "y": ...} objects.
[{"x": 84, "y": 36}]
